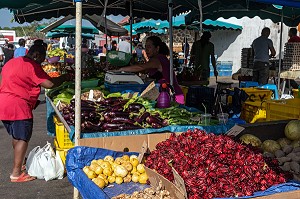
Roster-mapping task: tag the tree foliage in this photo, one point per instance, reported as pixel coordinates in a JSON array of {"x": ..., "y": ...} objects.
[{"x": 29, "y": 30}]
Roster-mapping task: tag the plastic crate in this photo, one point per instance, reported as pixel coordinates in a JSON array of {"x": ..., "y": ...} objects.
[
  {"x": 89, "y": 83},
  {"x": 283, "y": 109},
  {"x": 62, "y": 135},
  {"x": 247, "y": 84},
  {"x": 254, "y": 112},
  {"x": 295, "y": 93},
  {"x": 255, "y": 95},
  {"x": 200, "y": 94},
  {"x": 123, "y": 87}
]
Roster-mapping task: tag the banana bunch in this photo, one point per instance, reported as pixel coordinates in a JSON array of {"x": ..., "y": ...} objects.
[{"x": 57, "y": 52}]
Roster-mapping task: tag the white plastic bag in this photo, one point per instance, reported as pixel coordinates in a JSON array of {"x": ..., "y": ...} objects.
[{"x": 43, "y": 163}]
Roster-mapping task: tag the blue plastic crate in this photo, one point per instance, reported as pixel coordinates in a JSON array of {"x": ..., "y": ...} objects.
[
  {"x": 225, "y": 73},
  {"x": 122, "y": 87},
  {"x": 247, "y": 84}
]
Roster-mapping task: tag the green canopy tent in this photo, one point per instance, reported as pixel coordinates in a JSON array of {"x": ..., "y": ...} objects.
[
  {"x": 159, "y": 26},
  {"x": 70, "y": 29},
  {"x": 53, "y": 35}
]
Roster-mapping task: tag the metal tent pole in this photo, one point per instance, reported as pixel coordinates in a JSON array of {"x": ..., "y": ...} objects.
[
  {"x": 131, "y": 20},
  {"x": 280, "y": 47},
  {"x": 170, "y": 4},
  {"x": 78, "y": 77}
]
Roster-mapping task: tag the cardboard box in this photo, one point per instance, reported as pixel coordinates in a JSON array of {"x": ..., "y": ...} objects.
[{"x": 120, "y": 143}]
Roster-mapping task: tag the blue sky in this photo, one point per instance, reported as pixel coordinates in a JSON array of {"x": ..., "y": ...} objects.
[{"x": 6, "y": 17}]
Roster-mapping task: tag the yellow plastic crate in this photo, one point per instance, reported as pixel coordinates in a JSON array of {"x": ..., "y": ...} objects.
[
  {"x": 295, "y": 93},
  {"x": 255, "y": 95},
  {"x": 62, "y": 135},
  {"x": 254, "y": 112},
  {"x": 283, "y": 109}
]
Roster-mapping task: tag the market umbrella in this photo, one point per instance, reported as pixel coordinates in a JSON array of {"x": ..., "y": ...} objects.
[
  {"x": 21, "y": 3},
  {"x": 66, "y": 25},
  {"x": 250, "y": 9},
  {"x": 64, "y": 34}
]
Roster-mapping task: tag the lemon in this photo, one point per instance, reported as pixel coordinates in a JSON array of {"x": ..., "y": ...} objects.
[{"x": 140, "y": 168}]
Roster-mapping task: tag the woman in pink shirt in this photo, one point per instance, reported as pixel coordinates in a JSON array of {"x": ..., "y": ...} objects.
[
  {"x": 158, "y": 66},
  {"x": 20, "y": 86}
]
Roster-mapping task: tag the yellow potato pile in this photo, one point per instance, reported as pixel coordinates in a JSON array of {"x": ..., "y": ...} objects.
[{"x": 122, "y": 169}]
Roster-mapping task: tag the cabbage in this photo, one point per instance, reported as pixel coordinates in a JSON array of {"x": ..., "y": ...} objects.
[
  {"x": 284, "y": 141},
  {"x": 270, "y": 146},
  {"x": 292, "y": 130},
  {"x": 251, "y": 139},
  {"x": 296, "y": 143}
]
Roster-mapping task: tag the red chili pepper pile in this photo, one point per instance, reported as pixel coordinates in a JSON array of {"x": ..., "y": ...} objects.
[{"x": 213, "y": 166}]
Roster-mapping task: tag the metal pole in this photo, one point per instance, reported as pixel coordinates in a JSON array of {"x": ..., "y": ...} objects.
[
  {"x": 280, "y": 47},
  {"x": 170, "y": 4},
  {"x": 105, "y": 23},
  {"x": 78, "y": 78},
  {"x": 131, "y": 20}
]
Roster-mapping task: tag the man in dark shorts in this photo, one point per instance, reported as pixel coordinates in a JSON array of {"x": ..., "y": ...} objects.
[{"x": 261, "y": 47}]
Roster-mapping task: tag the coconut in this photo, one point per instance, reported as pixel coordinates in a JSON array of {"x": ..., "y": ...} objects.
[
  {"x": 251, "y": 139},
  {"x": 270, "y": 146},
  {"x": 292, "y": 130}
]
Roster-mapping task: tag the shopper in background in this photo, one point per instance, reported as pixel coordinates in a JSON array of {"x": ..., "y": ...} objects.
[
  {"x": 20, "y": 87},
  {"x": 140, "y": 53},
  {"x": 158, "y": 66},
  {"x": 8, "y": 53},
  {"x": 293, "y": 35},
  {"x": 201, "y": 51},
  {"x": 87, "y": 60},
  {"x": 263, "y": 49},
  {"x": 124, "y": 45},
  {"x": 114, "y": 45},
  {"x": 21, "y": 51}
]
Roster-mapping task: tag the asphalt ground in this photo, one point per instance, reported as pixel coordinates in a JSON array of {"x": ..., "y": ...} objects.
[{"x": 37, "y": 189}]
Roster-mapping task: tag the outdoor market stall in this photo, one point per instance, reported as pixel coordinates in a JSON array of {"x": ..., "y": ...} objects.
[{"x": 78, "y": 84}]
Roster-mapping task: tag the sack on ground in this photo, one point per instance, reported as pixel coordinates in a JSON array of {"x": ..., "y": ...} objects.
[{"x": 43, "y": 163}]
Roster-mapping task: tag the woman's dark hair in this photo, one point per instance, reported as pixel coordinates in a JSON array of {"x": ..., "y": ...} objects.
[
  {"x": 40, "y": 48},
  {"x": 40, "y": 42},
  {"x": 205, "y": 37},
  {"x": 163, "y": 48}
]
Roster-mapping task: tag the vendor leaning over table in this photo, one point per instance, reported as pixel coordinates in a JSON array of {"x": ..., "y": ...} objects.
[
  {"x": 20, "y": 86},
  {"x": 158, "y": 66}
]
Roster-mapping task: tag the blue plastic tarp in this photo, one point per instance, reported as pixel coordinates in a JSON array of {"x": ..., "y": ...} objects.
[
  {"x": 79, "y": 157},
  {"x": 216, "y": 129}
]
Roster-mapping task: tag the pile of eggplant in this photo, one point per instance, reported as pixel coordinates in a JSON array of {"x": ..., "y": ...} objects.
[{"x": 112, "y": 114}]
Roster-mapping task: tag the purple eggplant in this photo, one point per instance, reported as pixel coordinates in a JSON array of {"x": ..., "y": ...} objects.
[
  {"x": 112, "y": 100},
  {"x": 117, "y": 114},
  {"x": 136, "y": 107},
  {"x": 142, "y": 118},
  {"x": 117, "y": 108},
  {"x": 152, "y": 119},
  {"x": 111, "y": 126},
  {"x": 121, "y": 120},
  {"x": 130, "y": 127},
  {"x": 156, "y": 125}
]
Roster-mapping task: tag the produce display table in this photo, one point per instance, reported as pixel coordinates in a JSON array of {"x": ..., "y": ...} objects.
[{"x": 52, "y": 110}]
